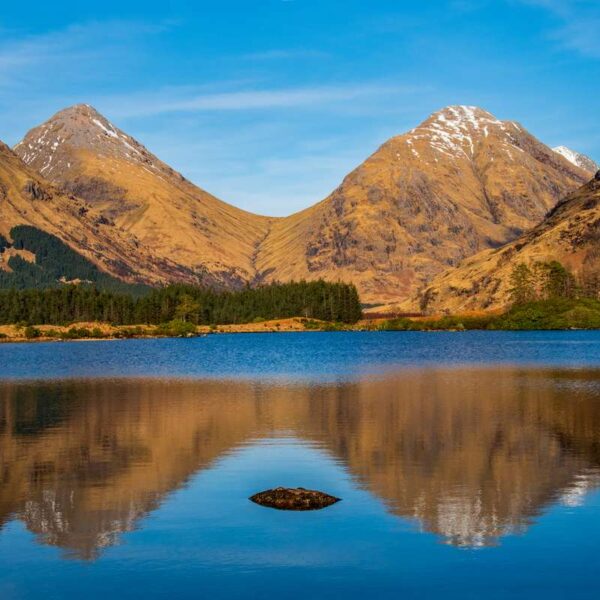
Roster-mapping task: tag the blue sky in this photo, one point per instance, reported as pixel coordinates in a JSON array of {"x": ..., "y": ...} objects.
[{"x": 269, "y": 103}]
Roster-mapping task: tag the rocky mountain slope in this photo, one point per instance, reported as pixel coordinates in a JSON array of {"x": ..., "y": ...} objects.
[
  {"x": 570, "y": 234},
  {"x": 460, "y": 182},
  {"x": 84, "y": 154},
  {"x": 579, "y": 160},
  {"x": 27, "y": 199}
]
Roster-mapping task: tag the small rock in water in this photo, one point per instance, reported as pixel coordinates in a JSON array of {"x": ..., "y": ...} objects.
[{"x": 294, "y": 499}]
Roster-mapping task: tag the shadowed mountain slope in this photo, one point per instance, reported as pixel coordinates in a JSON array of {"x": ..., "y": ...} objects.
[{"x": 570, "y": 234}]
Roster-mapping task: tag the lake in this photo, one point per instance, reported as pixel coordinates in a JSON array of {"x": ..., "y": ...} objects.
[{"x": 468, "y": 465}]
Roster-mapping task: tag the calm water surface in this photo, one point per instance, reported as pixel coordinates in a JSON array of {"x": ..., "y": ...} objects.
[{"x": 468, "y": 465}]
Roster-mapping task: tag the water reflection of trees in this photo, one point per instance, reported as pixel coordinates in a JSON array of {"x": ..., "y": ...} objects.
[{"x": 471, "y": 455}]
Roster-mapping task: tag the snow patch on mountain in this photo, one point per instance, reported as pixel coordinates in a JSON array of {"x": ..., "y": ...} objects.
[{"x": 576, "y": 158}]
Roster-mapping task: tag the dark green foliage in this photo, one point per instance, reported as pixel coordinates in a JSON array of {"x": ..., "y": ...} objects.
[
  {"x": 186, "y": 304},
  {"x": 3, "y": 243},
  {"x": 555, "y": 313},
  {"x": 556, "y": 281},
  {"x": 522, "y": 284},
  {"x": 316, "y": 300},
  {"x": 54, "y": 261},
  {"x": 32, "y": 332},
  {"x": 542, "y": 281},
  {"x": 176, "y": 328},
  {"x": 442, "y": 324},
  {"x": 67, "y": 304},
  {"x": 76, "y": 333}
]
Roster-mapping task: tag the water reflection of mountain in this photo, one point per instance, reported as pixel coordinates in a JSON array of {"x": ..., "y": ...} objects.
[{"x": 471, "y": 455}]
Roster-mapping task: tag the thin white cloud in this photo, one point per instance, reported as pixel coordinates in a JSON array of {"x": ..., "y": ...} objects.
[
  {"x": 184, "y": 99},
  {"x": 578, "y": 24},
  {"x": 72, "y": 50}
]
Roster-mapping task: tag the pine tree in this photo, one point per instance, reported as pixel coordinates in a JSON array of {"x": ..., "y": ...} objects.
[{"x": 522, "y": 284}]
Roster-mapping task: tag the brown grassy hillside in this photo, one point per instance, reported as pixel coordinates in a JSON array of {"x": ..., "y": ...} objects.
[
  {"x": 461, "y": 182},
  {"x": 570, "y": 234}
]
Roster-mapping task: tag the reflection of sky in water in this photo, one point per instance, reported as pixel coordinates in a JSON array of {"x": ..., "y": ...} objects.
[
  {"x": 456, "y": 483},
  {"x": 208, "y": 538}
]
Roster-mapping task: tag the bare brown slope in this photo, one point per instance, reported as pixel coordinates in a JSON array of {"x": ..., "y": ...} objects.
[
  {"x": 26, "y": 199},
  {"x": 570, "y": 234},
  {"x": 83, "y": 153},
  {"x": 461, "y": 182}
]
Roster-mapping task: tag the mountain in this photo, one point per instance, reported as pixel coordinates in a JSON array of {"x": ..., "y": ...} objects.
[
  {"x": 36, "y": 259},
  {"x": 71, "y": 235},
  {"x": 84, "y": 154},
  {"x": 459, "y": 183},
  {"x": 579, "y": 160},
  {"x": 570, "y": 234}
]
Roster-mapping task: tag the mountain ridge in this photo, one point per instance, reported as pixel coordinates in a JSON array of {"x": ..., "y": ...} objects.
[
  {"x": 83, "y": 153},
  {"x": 578, "y": 159},
  {"x": 28, "y": 199},
  {"x": 460, "y": 182},
  {"x": 570, "y": 234}
]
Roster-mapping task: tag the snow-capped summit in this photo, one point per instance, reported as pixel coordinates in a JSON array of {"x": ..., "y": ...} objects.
[
  {"x": 456, "y": 130},
  {"x": 49, "y": 148},
  {"x": 576, "y": 158}
]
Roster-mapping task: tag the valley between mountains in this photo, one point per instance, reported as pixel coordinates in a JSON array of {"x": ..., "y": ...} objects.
[{"x": 443, "y": 209}]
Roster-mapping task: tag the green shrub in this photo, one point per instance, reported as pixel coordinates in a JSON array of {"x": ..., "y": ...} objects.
[
  {"x": 582, "y": 317},
  {"x": 177, "y": 328},
  {"x": 32, "y": 333},
  {"x": 76, "y": 333},
  {"x": 556, "y": 313}
]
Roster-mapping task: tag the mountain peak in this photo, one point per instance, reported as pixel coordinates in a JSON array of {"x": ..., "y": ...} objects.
[
  {"x": 49, "y": 147},
  {"x": 81, "y": 108},
  {"x": 577, "y": 158},
  {"x": 456, "y": 130},
  {"x": 465, "y": 114}
]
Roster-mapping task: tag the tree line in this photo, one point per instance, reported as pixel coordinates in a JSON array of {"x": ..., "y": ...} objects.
[
  {"x": 55, "y": 262},
  {"x": 77, "y": 303},
  {"x": 550, "y": 281}
]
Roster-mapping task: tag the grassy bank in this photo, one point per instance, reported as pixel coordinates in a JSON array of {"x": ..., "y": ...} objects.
[
  {"x": 105, "y": 331},
  {"x": 542, "y": 315},
  {"x": 554, "y": 314}
]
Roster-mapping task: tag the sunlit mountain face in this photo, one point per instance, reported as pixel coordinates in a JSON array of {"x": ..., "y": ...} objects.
[{"x": 469, "y": 455}]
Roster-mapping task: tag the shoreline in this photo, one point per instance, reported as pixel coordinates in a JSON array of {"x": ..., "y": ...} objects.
[
  {"x": 100, "y": 332},
  {"x": 105, "y": 332}
]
